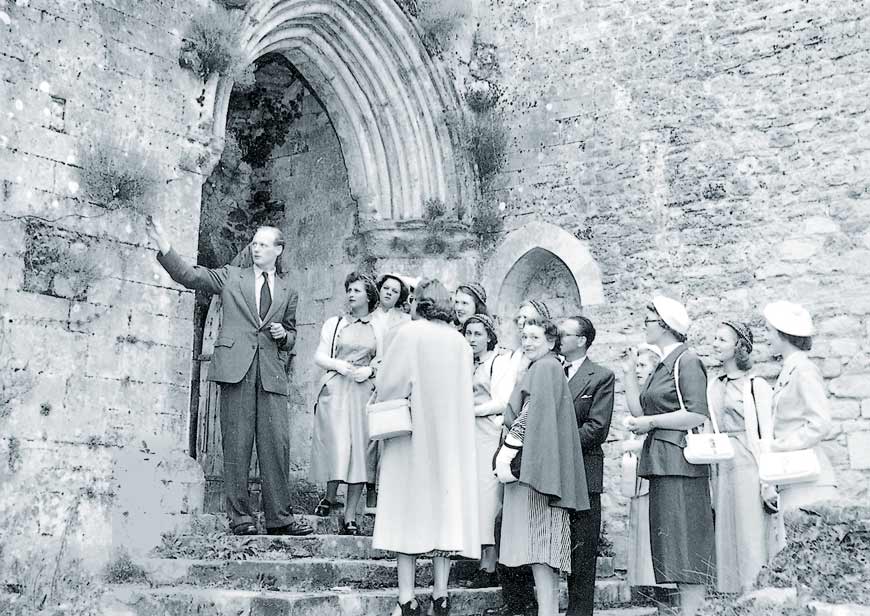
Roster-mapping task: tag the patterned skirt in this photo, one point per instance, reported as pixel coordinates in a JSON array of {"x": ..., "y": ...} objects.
[{"x": 532, "y": 532}]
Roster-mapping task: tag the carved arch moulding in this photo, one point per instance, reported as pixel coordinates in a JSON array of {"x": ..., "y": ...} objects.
[
  {"x": 528, "y": 250},
  {"x": 387, "y": 100}
]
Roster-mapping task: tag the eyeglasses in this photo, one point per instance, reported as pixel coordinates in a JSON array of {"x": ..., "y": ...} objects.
[
  {"x": 648, "y": 321},
  {"x": 567, "y": 335}
]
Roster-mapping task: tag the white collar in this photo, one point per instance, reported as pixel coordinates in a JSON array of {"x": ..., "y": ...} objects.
[
  {"x": 259, "y": 271},
  {"x": 667, "y": 350},
  {"x": 577, "y": 362}
]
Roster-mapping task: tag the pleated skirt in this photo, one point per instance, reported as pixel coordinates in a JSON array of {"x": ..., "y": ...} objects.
[{"x": 532, "y": 532}]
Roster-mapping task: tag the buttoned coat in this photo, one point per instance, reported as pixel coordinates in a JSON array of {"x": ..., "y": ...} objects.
[
  {"x": 802, "y": 413},
  {"x": 592, "y": 393},
  {"x": 242, "y": 335}
]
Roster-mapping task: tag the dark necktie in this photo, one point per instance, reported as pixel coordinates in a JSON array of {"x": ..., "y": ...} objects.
[
  {"x": 265, "y": 297},
  {"x": 566, "y": 368}
]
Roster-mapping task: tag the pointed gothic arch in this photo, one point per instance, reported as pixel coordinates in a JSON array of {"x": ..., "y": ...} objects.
[{"x": 389, "y": 103}]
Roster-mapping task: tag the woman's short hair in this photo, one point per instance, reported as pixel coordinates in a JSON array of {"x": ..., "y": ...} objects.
[
  {"x": 551, "y": 331},
  {"x": 677, "y": 335},
  {"x": 434, "y": 302},
  {"x": 802, "y": 343},
  {"x": 492, "y": 336},
  {"x": 368, "y": 284},
  {"x": 403, "y": 288}
]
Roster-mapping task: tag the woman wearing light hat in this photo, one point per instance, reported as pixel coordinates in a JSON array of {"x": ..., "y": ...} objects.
[
  {"x": 681, "y": 522},
  {"x": 748, "y": 529},
  {"x": 801, "y": 412}
]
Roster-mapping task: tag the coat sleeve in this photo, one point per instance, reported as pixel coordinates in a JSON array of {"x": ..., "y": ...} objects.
[
  {"x": 594, "y": 430},
  {"x": 693, "y": 384},
  {"x": 289, "y": 322},
  {"x": 504, "y": 378},
  {"x": 817, "y": 413},
  {"x": 394, "y": 377},
  {"x": 195, "y": 276}
]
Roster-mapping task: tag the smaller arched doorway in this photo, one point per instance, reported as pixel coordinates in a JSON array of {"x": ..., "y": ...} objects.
[{"x": 545, "y": 262}]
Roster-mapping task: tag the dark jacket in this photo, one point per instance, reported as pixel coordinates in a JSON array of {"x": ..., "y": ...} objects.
[
  {"x": 662, "y": 453},
  {"x": 242, "y": 336},
  {"x": 592, "y": 392}
]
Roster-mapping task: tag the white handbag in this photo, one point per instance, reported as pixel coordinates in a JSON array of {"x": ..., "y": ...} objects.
[
  {"x": 629, "y": 481},
  {"x": 703, "y": 447},
  {"x": 786, "y": 467},
  {"x": 388, "y": 419}
]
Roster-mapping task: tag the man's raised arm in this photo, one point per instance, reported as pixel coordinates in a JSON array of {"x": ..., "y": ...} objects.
[{"x": 191, "y": 276}]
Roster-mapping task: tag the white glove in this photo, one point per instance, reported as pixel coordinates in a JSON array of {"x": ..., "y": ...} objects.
[{"x": 504, "y": 457}]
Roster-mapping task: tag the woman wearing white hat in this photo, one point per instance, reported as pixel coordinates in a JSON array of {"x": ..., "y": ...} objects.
[
  {"x": 673, "y": 400},
  {"x": 801, "y": 412}
]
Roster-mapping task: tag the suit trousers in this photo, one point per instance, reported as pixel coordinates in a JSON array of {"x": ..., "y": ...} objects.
[
  {"x": 247, "y": 412},
  {"x": 585, "y": 533}
]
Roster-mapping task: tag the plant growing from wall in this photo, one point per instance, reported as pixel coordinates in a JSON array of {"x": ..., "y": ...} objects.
[
  {"x": 117, "y": 178},
  {"x": 487, "y": 223},
  {"x": 435, "y": 217},
  {"x": 211, "y": 44},
  {"x": 57, "y": 263},
  {"x": 486, "y": 140}
]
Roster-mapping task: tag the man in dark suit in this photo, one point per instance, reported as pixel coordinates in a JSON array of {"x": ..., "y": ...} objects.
[
  {"x": 257, "y": 331},
  {"x": 591, "y": 388}
]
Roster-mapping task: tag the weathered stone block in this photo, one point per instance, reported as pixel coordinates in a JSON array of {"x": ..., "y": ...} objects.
[
  {"x": 845, "y": 409},
  {"x": 859, "y": 450},
  {"x": 851, "y": 386}
]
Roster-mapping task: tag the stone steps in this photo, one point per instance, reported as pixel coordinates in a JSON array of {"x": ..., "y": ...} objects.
[
  {"x": 140, "y": 600},
  {"x": 266, "y": 547},
  {"x": 330, "y": 525},
  {"x": 314, "y": 574}
]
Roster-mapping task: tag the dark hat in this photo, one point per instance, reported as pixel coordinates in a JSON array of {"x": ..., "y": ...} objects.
[
  {"x": 488, "y": 323},
  {"x": 541, "y": 307},
  {"x": 475, "y": 290},
  {"x": 742, "y": 330}
]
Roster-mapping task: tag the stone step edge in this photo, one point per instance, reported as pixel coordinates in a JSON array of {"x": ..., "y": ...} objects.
[{"x": 212, "y": 593}]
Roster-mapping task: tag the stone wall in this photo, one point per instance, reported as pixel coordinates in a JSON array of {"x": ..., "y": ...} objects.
[
  {"x": 94, "y": 451},
  {"x": 709, "y": 151}
]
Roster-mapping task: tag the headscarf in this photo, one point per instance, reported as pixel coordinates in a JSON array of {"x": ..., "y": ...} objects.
[
  {"x": 540, "y": 306},
  {"x": 743, "y": 332},
  {"x": 487, "y": 322}
]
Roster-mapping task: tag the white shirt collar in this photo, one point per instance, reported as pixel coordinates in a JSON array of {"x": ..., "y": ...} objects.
[
  {"x": 667, "y": 350},
  {"x": 577, "y": 362},
  {"x": 258, "y": 272}
]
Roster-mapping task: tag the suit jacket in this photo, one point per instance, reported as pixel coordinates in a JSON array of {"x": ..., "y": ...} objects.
[
  {"x": 592, "y": 393},
  {"x": 242, "y": 336}
]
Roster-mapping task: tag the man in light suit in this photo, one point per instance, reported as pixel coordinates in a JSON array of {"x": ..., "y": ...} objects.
[
  {"x": 591, "y": 388},
  {"x": 257, "y": 331}
]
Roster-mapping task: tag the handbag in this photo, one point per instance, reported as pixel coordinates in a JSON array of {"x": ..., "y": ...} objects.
[
  {"x": 703, "y": 447},
  {"x": 786, "y": 467},
  {"x": 516, "y": 463},
  {"x": 389, "y": 419}
]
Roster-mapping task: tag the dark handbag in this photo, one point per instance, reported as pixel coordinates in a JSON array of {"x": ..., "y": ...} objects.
[{"x": 516, "y": 463}]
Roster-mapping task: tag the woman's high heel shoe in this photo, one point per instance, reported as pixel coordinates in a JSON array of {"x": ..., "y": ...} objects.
[
  {"x": 407, "y": 610},
  {"x": 441, "y": 606}
]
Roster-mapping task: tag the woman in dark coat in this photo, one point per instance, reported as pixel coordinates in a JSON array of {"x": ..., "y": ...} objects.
[
  {"x": 681, "y": 521},
  {"x": 536, "y": 527}
]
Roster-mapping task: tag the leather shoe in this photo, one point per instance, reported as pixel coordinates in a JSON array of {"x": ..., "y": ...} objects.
[
  {"x": 294, "y": 528},
  {"x": 245, "y": 529}
]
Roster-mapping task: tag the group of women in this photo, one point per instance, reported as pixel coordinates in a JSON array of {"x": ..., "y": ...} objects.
[
  {"x": 509, "y": 415},
  {"x": 674, "y": 537}
]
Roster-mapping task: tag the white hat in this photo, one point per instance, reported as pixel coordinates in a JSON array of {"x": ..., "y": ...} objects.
[
  {"x": 789, "y": 318},
  {"x": 411, "y": 281},
  {"x": 650, "y": 348},
  {"x": 673, "y": 313}
]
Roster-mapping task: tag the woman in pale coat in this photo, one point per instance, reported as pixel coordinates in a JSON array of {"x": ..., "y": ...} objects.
[
  {"x": 427, "y": 498},
  {"x": 801, "y": 411},
  {"x": 493, "y": 383},
  {"x": 749, "y": 531}
]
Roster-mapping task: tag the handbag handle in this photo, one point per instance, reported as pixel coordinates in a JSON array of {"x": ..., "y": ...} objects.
[
  {"x": 680, "y": 395},
  {"x": 334, "y": 334}
]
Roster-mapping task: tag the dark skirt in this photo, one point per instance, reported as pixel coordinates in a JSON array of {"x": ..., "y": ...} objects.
[{"x": 681, "y": 530}]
